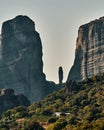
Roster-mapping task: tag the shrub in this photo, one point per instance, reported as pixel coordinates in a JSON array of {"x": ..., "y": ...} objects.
[
  {"x": 72, "y": 120},
  {"x": 32, "y": 125},
  {"x": 51, "y": 120},
  {"x": 59, "y": 125},
  {"x": 46, "y": 112}
]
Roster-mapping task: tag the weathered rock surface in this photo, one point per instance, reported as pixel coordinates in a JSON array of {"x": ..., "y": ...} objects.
[
  {"x": 70, "y": 86},
  {"x": 89, "y": 54},
  {"x": 21, "y": 66},
  {"x": 8, "y": 100}
]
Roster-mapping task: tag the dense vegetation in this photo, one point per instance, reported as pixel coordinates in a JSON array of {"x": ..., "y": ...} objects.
[{"x": 86, "y": 108}]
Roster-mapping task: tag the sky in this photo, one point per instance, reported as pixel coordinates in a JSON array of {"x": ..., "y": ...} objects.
[{"x": 57, "y": 22}]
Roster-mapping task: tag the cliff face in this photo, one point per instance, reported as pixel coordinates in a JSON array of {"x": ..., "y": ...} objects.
[
  {"x": 21, "y": 66},
  {"x": 89, "y": 54}
]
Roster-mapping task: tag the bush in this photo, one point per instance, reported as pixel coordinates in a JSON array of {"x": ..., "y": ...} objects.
[
  {"x": 59, "y": 125},
  {"x": 52, "y": 120},
  {"x": 72, "y": 120},
  {"x": 46, "y": 112},
  {"x": 32, "y": 125}
]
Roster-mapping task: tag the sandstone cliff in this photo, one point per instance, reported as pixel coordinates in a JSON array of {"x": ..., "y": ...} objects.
[
  {"x": 21, "y": 66},
  {"x": 8, "y": 100},
  {"x": 89, "y": 54}
]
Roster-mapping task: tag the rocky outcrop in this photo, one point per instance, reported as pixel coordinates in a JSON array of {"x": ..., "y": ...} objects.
[
  {"x": 8, "y": 100},
  {"x": 89, "y": 54},
  {"x": 71, "y": 86},
  {"x": 21, "y": 66}
]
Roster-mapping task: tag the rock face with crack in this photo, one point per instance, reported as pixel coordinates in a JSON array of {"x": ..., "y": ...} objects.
[
  {"x": 89, "y": 54},
  {"x": 21, "y": 66}
]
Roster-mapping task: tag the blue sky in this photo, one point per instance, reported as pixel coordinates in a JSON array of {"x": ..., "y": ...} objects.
[{"x": 57, "y": 21}]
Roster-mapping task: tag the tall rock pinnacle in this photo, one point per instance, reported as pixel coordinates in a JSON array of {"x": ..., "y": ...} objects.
[
  {"x": 21, "y": 66},
  {"x": 89, "y": 54}
]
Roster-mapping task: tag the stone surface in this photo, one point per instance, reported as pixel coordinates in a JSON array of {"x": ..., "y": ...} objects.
[
  {"x": 70, "y": 86},
  {"x": 8, "y": 100},
  {"x": 60, "y": 74},
  {"x": 89, "y": 54},
  {"x": 21, "y": 66}
]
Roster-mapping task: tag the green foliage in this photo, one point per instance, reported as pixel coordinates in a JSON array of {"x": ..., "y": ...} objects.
[
  {"x": 86, "y": 106},
  {"x": 52, "y": 120},
  {"x": 72, "y": 120},
  {"x": 46, "y": 112},
  {"x": 58, "y": 125},
  {"x": 17, "y": 112},
  {"x": 32, "y": 124}
]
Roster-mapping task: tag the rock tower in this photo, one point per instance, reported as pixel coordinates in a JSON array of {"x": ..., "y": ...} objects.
[
  {"x": 21, "y": 66},
  {"x": 89, "y": 53}
]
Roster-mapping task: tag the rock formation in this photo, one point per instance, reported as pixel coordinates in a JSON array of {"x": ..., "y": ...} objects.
[
  {"x": 89, "y": 54},
  {"x": 71, "y": 86},
  {"x": 8, "y": 100},
  {"x": 21, "y": 66},
  {"x": 60, "y": 74}
]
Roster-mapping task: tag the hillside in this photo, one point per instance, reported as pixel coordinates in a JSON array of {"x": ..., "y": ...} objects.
[{"x": 80, "y": 110}]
